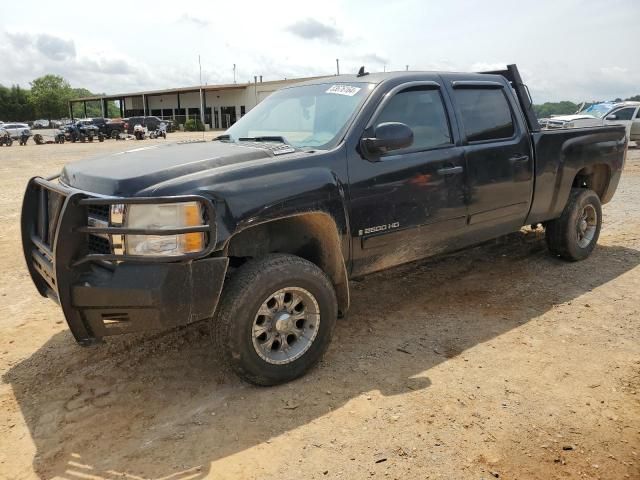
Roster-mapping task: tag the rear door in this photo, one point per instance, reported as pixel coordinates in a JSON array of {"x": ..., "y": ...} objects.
[
  {"x": 498, "y": 156},
  {"x": 11, "y": 128}
]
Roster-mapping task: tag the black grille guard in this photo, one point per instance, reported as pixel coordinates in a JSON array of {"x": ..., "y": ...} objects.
[{"x": 54, "y": 239}]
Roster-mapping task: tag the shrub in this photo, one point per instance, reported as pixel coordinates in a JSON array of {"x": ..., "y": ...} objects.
[{"x": 193, "y": 125}]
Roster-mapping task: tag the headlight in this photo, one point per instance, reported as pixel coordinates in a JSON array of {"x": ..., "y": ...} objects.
[{"x": 165, "y": 216}]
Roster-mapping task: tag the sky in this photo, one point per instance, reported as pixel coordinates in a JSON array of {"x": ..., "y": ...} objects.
[{"x": 565, "y": 49}]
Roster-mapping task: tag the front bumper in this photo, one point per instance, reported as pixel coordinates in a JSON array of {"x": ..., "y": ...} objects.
[{"x": 107, "y": 294}]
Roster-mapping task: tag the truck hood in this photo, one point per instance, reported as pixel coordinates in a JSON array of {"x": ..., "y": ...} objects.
[
  {"x": 571, "y": 118},
  {"x": 127, "y": 173}
]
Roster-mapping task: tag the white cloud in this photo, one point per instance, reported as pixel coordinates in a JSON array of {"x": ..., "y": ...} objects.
[
  {"x": 312, "y": 29},
  {"x": 194, "y": 21},
  {"x": 565, "y": 50}
]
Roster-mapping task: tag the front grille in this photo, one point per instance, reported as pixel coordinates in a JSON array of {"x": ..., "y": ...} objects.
[
  {"x": 99, "y": 211},
  {"x": 98, "y": 244}
]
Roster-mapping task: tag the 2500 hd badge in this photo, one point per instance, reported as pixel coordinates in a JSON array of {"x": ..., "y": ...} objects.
[{"x": 379, "y": 228}]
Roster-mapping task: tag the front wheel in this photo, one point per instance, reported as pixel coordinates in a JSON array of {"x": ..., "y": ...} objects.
[
  {"x": 575, "y": 234},
  {"x": 276, "y": 319}
]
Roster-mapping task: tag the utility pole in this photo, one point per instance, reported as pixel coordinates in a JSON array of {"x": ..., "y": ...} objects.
[
  {"x": 234, "y": 73},
  {"x": 255, "y": 89},
  {"x": 201, "y": 96},
  {"x": 337, "y": 66}
]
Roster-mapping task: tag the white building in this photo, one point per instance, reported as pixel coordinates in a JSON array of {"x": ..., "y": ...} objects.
[{"x": 218, "y": 106}]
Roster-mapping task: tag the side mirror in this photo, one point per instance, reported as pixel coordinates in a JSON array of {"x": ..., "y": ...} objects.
[
  {"x": 612, "y": 117},
  {"x": 386, "y": 137}
]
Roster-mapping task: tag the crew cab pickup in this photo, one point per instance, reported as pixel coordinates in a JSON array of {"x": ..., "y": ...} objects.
[{"x": 259, "y": 231}]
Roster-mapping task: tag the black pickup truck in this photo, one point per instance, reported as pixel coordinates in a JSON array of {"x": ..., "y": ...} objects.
[{"x": 260, "y": 230}]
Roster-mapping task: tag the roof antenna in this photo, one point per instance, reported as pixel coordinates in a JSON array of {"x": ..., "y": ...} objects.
[{"x": 361, "y": 72}]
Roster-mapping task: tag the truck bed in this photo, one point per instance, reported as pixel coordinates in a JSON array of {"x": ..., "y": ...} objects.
[{"x": 588, "y": 149}]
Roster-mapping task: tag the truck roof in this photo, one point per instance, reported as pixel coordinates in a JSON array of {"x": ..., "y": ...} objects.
[{"x": 380, "y": 77}]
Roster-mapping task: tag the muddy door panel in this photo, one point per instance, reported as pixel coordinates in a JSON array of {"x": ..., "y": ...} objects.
[
  {"x": 406, "y": 207},
  {"x": 499, "y": 159}
]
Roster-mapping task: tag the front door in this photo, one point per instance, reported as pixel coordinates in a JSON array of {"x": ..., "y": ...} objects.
[
  {"x": 622, "y": 116},
  {"x": 409, "y": 203}
]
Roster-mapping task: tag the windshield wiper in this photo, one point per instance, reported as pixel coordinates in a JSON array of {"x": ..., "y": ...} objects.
[
  {"x": 221, "y": 138},
  {"x": 264, "y": 138}
]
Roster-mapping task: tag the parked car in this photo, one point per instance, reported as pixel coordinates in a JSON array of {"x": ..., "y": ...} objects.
[
  {"x": 622, "y": 113},
  {"x": 5, "y": 137},
  {"x": 16, "y": 130},
  {"x": 115, "y": 127},
  {"x": 99, "y": 122},
  {"x": 88, "y": 127},
  {"x": 149, "y": 122},
  {"x": 42, "y": 123},
  {"x": 80, "y": 131},
  {"x": 323, "y": 181}
]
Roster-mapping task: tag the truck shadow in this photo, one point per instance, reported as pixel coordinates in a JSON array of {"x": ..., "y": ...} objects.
[{"x": 163, "y": 406}]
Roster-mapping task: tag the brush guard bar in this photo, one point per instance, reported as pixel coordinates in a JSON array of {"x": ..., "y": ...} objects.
[{"x": 55, "y": 234}]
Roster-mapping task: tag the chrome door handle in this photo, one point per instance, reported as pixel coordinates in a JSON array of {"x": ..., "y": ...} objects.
[
  {"x": 519, "y": 159},
  {"x": 450, "y": 170}
]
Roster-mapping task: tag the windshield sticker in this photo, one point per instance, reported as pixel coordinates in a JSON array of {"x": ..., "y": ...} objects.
[{"x": 347, "y": 90}]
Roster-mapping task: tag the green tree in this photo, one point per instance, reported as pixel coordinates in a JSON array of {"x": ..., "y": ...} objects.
[
  {"x": 93, "y": 107},
  {"x": 50, "y": 95},
  {"x": 15, "y": 104},
  {"x": 555, "y": 108}
]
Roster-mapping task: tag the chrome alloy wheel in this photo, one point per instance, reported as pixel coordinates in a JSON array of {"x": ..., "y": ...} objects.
[
  {"x": 587, "y": 226},
  {"x": 286, "y": 325}
]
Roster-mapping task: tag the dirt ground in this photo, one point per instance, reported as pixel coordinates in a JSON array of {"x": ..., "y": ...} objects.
[{"x": 497, "y": 362}]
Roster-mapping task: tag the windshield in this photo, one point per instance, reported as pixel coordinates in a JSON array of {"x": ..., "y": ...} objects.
[
  {"x": 310, "y": 116},
  {"x": 598, "y": 110}
]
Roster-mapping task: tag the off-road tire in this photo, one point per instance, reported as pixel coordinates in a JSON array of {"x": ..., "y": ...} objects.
[
  {"x": 115, "y": 134},
  {"x": 243, "y": 294},
  {"x": 561, "y": 233}
]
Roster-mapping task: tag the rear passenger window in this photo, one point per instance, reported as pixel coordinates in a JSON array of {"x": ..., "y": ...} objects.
[
  {"x": 485, "y": 113},
  {"x": 422, "y": 110}
]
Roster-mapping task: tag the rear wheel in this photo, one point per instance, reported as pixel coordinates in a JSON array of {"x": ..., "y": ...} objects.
[
  {"x": 276, "y": 319},
  {"x": 575, "y": 234},
  {"x": 115, "y": 134}
]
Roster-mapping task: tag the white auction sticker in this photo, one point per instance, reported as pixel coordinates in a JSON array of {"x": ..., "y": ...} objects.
[{"x": 347, "y": 90}]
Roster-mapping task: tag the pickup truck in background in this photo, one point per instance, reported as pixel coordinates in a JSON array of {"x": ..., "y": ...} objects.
[{"x": 259, "y": 231}]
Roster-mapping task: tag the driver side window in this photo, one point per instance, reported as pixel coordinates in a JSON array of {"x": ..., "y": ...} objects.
[
  {"x": 422, "y": 110},
  {"x": 624, "y": 113}
]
